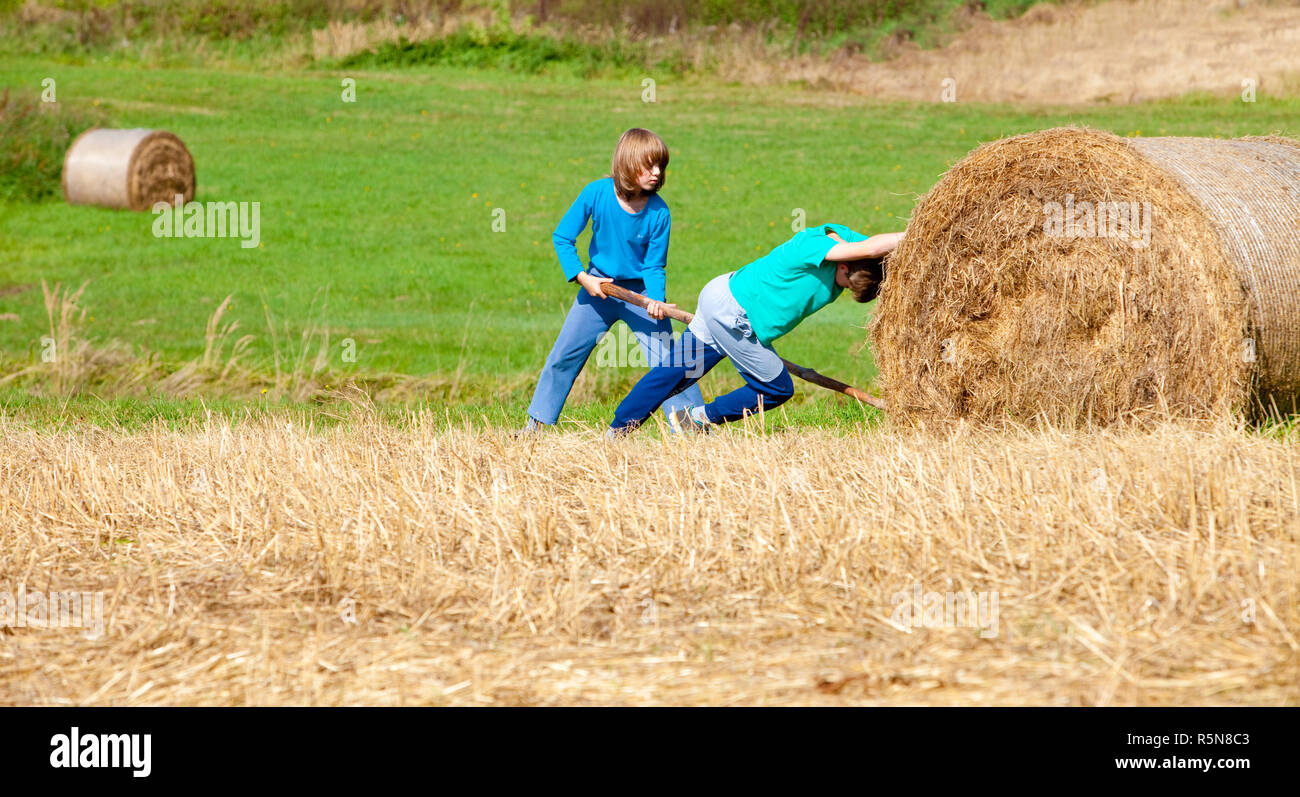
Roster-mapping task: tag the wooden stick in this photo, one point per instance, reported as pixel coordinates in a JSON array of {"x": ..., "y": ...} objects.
[{"x": 806, "y": 374}]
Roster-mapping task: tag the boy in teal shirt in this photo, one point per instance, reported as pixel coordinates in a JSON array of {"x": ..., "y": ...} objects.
[{"x": 742, "y": 313}]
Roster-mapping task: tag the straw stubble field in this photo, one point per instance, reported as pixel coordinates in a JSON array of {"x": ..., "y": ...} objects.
[{"x": 271, "y": 563}]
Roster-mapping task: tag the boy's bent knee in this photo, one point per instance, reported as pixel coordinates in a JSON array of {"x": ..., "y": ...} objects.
[
  {"x": 780, "y": 389},
  {"x": 773, "y": 400}
]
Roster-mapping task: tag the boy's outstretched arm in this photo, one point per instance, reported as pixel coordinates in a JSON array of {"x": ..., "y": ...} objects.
[{"x": 875, "y": 246}]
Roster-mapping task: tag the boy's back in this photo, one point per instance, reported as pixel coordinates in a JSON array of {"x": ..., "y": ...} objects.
[{"x": 790, "y": 283}]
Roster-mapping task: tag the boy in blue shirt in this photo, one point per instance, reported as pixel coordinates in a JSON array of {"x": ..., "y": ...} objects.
[
  {"x": 629, "y": 247},
  {"x": 740, "y": 314}
]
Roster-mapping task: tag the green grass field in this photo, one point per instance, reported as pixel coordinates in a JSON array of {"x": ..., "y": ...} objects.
[{"x": 377, "y": 216}]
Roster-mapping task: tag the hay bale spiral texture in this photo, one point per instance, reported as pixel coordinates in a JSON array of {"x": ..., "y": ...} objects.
[
  {"x": 1070, "y": 275},
  {"x": 127, "y": 169}
]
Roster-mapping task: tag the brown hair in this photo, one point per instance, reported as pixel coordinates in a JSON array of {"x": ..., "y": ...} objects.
[
  {"x": 637, "y": 149},
  {"x": 865, "y": 277}
]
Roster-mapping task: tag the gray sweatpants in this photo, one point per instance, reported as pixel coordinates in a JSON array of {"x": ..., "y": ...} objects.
[{"x": 722, "y": 323}]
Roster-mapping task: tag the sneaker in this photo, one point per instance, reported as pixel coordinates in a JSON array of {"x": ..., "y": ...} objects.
[
  {"x": 533, "y": 427},
  {"x": 619, "y": 432},
  {"x": 682, "y": 421}
]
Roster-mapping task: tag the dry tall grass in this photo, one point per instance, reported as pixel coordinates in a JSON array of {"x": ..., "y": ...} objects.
[
  {"x": 1133, "y": 567},
  {"x": 1121, "y": 51},
  {"x": 70, "y": 362}
]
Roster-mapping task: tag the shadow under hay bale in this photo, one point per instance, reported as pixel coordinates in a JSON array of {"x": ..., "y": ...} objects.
[
  {"x": 1070, "y": 275},
  {"x": 130, "y": 169}
]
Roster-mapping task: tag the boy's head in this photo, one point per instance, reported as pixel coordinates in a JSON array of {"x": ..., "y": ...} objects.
[
  {"x": 640, "y": 163},
  {"x": 861, "y": 277}
]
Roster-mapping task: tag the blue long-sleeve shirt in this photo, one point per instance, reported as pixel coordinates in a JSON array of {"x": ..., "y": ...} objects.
[{"x": 623, "y": 245}]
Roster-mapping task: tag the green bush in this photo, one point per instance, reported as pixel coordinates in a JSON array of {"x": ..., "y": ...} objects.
[
  {"x": 503, "y": 49},
  {"x": 34, "y": 136}
]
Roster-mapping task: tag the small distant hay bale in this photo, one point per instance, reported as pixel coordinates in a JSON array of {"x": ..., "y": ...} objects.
[
  {"x": 127, "y": 169},
  {"x": 1000, "y": 304}
]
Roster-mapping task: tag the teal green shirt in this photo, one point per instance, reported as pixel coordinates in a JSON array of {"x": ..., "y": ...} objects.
[{"x": 791, "y": 282}]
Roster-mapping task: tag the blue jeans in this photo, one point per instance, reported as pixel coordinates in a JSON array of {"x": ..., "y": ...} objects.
[
  {"x": 588, "y": 319},
  {"x": 690, "y": 360}
]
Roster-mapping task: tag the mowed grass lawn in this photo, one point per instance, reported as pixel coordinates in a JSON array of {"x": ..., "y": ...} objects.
[{"x": 377, "y": 216}]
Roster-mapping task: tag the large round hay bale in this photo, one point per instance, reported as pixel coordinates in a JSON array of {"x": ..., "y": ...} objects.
[
  {"x": 1002, "y": 302},
  {"x": 127, "y": 169}
]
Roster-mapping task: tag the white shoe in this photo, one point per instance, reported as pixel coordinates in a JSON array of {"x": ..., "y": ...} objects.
[
  {"x": 533, "y": 427},
  {"x": 683, "y": 422}
]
